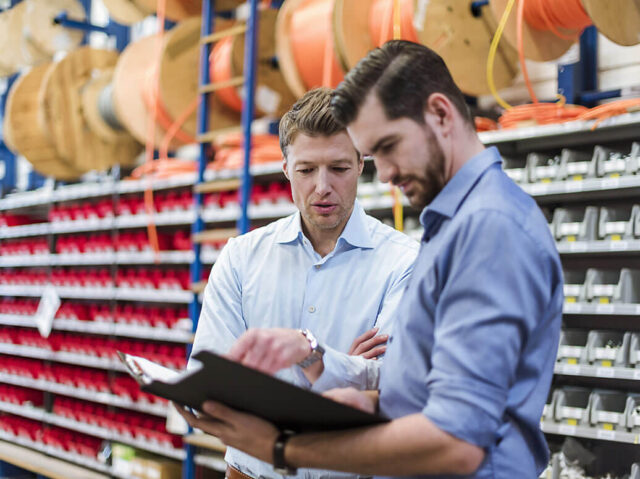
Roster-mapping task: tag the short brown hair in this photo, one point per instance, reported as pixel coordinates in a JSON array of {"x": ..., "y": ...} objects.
[
  {"x": 310, "y": 115},
  {"x": 403, "y": 75}
]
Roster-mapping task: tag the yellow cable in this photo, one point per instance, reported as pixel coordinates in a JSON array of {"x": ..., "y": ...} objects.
[
  {"x": 492, "y": 54},
  {"x": 397, "y": 196}
]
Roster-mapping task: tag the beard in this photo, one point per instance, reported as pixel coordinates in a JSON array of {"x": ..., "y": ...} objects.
[{"x": 431, "y": 183}]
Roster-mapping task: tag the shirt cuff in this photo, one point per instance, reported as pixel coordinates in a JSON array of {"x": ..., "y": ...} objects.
[
  {"x": 342, "y": 370},
  {"x": 467, "y": 409}
]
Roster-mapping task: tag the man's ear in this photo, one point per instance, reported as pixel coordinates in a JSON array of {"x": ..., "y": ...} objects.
[
  {"x": 438, "y": 112},
  {"x": 360, "y": 164},
  {"x": 284, "y": 168}
]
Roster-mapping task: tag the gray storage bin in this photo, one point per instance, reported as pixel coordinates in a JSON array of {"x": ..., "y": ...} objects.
[
  {"x": 634, "y": 351},
  {"x": 574, "y": 286},
  {"x": 541, "y": 167},
  {"x": 576, "y": 223},
  {"x": 608, "y": 348},
  {"x": 570, "y": 405},
  {"x": 515, "y": 169},
  {"x": 607, "y": 410},
  {"x": 632, "y": 412},
  {"x": 617, "y": 222},
  {"x": 576, "y": 165},
  {"x": 572, "y": 348},
  {"x": 613, "y": 163},
  {"x": 613, "y": 286}
]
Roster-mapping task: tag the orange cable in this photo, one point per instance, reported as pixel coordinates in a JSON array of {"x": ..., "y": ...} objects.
[
  {"x": 220, "y": 70},
  {"x": 382, "y": 23},
  {"x": 311, "y": 38},
  {"x": 551, "y": 15}
]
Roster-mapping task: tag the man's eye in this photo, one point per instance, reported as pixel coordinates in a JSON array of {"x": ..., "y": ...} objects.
[
  {"x": 305, "y": 171},
  {"x": 387, "y": 148},
  {"x": 340, "y": 169}
]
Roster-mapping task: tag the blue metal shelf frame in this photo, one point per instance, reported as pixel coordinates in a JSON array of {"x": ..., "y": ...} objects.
[{"x": 248, "y": 110}]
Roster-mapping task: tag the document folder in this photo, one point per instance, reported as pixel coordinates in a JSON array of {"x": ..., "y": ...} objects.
[{"x": 245, "y": 389}]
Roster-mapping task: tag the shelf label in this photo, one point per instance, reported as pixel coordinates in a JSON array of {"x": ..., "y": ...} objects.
[
  {"x": 608, "y": 435},
  {"x": 49, "y": 304},
  {"x": 606, "y": 372},
  {"x": 567, "y": 430}
]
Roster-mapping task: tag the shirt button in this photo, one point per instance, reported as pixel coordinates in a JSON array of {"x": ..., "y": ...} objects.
[
  {"x": 317, "y": 266},
  {"x": 312, "y": 309}
]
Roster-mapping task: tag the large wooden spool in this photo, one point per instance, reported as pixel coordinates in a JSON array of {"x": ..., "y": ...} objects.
[
  {"x": 273, "y": 97},
  {"x": 178, "y": 83},
  {"x": 618, "y": 20},
  {"x": 539, "y": 45},
  {"x": 24, "y": 132},
  {"x": 126, "y": 12},
  {"x": 312, "y": 19},
  {"x": 61, "y": 112},
  {"x": 446, "y": 26},
  {"x": 463, "y": 41},
  {"x": 28, "y": 35}
]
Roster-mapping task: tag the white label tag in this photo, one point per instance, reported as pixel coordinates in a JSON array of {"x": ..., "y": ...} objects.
[
  {"x": 602, "y": 434},
  {"x": 605, "y": 372},
  {"x": 49, "y": 304}
]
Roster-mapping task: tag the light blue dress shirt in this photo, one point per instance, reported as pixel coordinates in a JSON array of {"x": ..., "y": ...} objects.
[
  {"x": 477, "y": 330},
  {"x": 272, "y": 277}
]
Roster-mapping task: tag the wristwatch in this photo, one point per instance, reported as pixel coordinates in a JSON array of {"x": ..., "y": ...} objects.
[
  {"x": 279, "y": 464},
  {"x": 317, "y": 351}
]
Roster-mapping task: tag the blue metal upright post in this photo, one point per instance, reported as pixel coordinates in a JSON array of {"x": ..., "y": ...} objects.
[
  {"x": 8, "y": 181},
  {"x": 248, "y": 109},
  {"x": 208, "y": 13}
]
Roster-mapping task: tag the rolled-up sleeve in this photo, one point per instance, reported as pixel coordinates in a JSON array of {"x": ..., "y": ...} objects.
[
  {"x": 342, "y": 370},
  {"x": 487, "y": 308}
]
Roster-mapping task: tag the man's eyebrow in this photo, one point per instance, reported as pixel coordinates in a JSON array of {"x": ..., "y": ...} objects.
[{"x": 379, "y": 143}]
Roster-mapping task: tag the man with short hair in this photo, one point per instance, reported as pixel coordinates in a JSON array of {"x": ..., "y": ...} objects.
[
  {"x": 475, "y": 337},
  {"x": 309, "y": 284}
]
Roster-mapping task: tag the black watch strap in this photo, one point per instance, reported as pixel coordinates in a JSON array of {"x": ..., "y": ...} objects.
[{"x": 279, "y": 464}]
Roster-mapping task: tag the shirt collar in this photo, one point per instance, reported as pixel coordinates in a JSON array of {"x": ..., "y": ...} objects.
[
  {"x": 447, "y": 202},
  {"x": 355, "y": 232}
]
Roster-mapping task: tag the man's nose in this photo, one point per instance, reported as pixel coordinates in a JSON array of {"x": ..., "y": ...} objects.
[
  {"x": 385, "y": 170},
  {"x": 323, "y": 183}
]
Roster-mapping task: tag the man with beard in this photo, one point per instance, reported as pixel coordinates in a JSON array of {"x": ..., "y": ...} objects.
[
  {"x": 478, "y": 325},
  {"x": 310, "y": 284}
]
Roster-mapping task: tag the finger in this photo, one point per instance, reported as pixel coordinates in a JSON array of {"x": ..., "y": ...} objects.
[
  {"x": 220, "y": 412},
  {"x": 372, "y": 343},
  {"x": 242, "y": 346},
  {"x": 375, "y": 352},
  {"x": 363, "y": 337},
  {"x": 184, "y": 413}
]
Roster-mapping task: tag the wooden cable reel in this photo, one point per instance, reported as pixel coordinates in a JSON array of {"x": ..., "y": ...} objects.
[
  {"x": 126, "y": 12},
  {"x": 305, "y": 45},
  {"x": 272, "y": 96},
  {"x": 178, "y": 83},
  {"x": 61, "y": 119},
  {"x": 618, "y": 20},
  {"x": 358, "y": 26},
  {"x": 462, "y": 40},
  {"x": 24, "y": 130},
  {"x": 178, "y": 69},
  {"x": 539, "y": 45},
  {"x": 28, "y": 35}
]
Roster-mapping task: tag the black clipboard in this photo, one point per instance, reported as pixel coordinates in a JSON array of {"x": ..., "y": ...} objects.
[{"x": 245, "y": 389}]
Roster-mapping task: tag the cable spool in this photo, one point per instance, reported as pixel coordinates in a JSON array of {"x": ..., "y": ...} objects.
[
  {"x": 381, "y": 21},
  {"x": 134, "y": 76},
  {"x": 11, "y": 52},
  {"x": 126, "y": 12},
  {"x": 539, "y": 44},
  {"x": 463, "y": 41},
  {"x": 305, "y": 45},
  {"x": 273, "y": 97},
  {"x": 361, "y": 25},
  {"x": 62, "y": 115},
  {"x": 42, "y": 36},
  {"x": 26, "y": 136},
  {"x": 618, "y": 20},
  {"x": 28, "y": 35}
]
